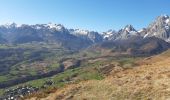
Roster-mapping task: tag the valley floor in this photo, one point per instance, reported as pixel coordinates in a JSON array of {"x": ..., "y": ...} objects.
[{"x": 150, "y": 80}]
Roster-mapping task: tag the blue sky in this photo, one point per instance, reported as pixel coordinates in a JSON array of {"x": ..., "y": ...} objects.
[{"x": 97, "y": 15}]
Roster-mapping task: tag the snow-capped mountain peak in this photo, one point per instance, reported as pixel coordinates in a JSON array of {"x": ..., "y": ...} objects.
[
  {"x": 11, "y": 24},
  {"x": 166, "y": 19},
  {"x": 129, "y": 28},
  {"x": 165, "y": 16},
  {"x": 81, "y": 32},
  {"x": 86, "y": 34},
  {"x": 58, "y": 27},
  {"x": 108, "y": 34},
  {"x": 141, "y": 30},
  {"x": 160, "y": 28}
]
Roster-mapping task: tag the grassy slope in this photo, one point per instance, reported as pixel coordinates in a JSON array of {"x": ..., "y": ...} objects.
[
  {"x": 52, "y": 58},
  {"x": 150, "y": 80},
  {"x": 69, "y": 76},
  {"x": 90, "y": 69},
  {"x": 34, "y": 59}
]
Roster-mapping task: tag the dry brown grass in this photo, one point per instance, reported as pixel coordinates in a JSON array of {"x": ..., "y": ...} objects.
[{"x": 149, "y": 81}]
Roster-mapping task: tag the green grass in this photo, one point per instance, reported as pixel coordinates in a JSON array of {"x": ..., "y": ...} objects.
[
  {"x": 127, "y": 62},
  {"x": 37, "y": 83},
  {"x": 3, "y": 78},
  {"x": 54, "y": 66},
  {"x": 91, "y": 76},
  {"x": 1, "y": 92},
  {"x": 33, "y": 72},
  {"x": 63, "y": 78},
  {"x": 87, "y": 71}
]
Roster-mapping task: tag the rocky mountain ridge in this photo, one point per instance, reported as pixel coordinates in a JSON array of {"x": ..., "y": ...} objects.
[{"x": 73, "y": 38}]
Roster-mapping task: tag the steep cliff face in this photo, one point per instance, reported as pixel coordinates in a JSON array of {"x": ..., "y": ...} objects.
[{"x": 159, "y": 28}]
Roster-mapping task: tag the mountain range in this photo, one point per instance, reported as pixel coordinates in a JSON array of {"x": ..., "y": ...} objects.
[
  {"x": 74, "y": 38},
  {"x": 37, "y": 60}
]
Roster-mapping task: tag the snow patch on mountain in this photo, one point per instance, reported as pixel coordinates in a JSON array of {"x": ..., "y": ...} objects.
[
  {"x": 81, "y": 32},
  {"x": 58, "y": 27},
  {"x": 108, "y": 34},
  {"x": 167, "y": 21},
  {"x": 141, "y": 30},
  {"x": 130, "y": 30},
  {"x": 145, "y": 35}
]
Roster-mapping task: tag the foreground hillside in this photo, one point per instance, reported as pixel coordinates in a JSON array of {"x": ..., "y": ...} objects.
[
  {"x": 149, "y": 80},
  {"x": 36, "y": 60}
]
